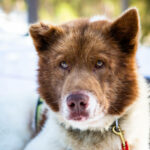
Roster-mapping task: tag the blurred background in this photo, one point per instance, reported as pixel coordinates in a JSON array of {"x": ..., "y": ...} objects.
[
  {"x": 18, "y": 59},
  {"x": 58, "y": 11}
]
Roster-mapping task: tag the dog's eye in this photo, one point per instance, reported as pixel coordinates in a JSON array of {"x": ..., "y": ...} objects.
[
  {"x": 64, "y": 65},
  {"x": 99, "y": 64}
]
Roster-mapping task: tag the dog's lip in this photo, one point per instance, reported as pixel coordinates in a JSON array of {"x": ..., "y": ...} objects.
[{"x": 78, "y": 118}]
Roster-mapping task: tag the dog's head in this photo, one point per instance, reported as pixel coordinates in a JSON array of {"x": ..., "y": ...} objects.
[{"x": 87, "y": 69}]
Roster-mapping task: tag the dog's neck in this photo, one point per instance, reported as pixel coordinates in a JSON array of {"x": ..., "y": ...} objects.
[{"x": 88, "y": 131}]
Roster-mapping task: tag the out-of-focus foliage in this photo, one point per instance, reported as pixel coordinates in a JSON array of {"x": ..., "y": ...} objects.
[
  {"x": 10, "y": 5},
  {"x": 64, "y": 10},
  {"x": 58, "y": 11},
  {"x": 144, "y": 10},
  {"x": 7, "y": 4}
]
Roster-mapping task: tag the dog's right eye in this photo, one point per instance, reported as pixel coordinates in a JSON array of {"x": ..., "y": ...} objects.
[
  {"x": 64, "y": 65},
  {"x": 99, "y": 64}
]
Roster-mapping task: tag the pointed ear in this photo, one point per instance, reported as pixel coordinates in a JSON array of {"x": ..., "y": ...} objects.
[
  {"x": 44, "y": 35},
  {"x": 125, "y": 30}
]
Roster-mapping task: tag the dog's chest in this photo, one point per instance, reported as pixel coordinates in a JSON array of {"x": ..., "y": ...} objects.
[{"x": 92, "y": 140}]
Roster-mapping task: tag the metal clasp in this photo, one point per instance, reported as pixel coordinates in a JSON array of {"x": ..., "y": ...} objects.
[{"x": 116, "y": 130}]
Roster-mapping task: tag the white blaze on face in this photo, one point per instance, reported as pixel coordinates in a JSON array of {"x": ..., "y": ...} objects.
[{"x": 92, "y": 108}]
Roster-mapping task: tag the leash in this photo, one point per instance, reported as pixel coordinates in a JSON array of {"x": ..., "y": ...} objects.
[{"x": 117, "y": 130}]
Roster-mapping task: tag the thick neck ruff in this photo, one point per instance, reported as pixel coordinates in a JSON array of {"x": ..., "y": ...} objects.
[{"x": 113, "y": 129}]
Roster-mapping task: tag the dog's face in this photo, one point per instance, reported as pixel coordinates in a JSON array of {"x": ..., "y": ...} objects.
[{"x": 87, "y": 69}]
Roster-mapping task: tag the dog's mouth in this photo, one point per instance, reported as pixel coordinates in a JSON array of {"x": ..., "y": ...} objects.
[{"x": 79, "y": 116}]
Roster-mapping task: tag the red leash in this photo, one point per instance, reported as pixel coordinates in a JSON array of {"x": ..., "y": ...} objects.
[
  {"x": 116, "y": 130},
  {"x": 126, "y": 146}
]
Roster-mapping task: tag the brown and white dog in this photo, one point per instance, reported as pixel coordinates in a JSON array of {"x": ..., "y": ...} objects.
[{"x": 88, "y": 78}]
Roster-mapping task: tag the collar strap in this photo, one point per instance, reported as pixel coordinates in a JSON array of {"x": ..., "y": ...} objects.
[
  {"x": 117, "y": 130},
  {"x": 38, "y": 113}
]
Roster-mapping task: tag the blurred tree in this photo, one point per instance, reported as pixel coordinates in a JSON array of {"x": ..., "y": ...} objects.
[
  {"x": 144, "y": 11},
  {"x": 7, "y": 5},
  {"x": 32, "y": 6},
  {"x": 125, "y": 4},
  {"x": 146, "y": 20},
  {"x": 58, "y": 11}
]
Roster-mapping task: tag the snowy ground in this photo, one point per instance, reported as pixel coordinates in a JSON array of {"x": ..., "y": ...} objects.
[
  {"x": 18, "y": 64},
  {"x": 18, "y": 61}
]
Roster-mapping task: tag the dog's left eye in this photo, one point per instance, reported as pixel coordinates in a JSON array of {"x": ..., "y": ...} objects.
[
  {"x": 99, "y": 64},
  {"x": 64, "y": 65}
]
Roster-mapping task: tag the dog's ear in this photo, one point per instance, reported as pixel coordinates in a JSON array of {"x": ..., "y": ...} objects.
[
  {"x": 125, "y": 30},
  {"x": 44, "y": 36}
]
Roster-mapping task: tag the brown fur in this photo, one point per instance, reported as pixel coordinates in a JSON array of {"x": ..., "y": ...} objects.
[{"x": 81, "y": 43}]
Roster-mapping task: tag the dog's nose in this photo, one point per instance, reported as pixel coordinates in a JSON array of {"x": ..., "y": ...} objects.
[{"x": 77, "y": 104}]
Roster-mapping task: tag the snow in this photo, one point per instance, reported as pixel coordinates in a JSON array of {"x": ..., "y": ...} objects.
[
  {"x": 18, "y": 59},
  {"x": 18, "y": 63},
  {"x": 14, "y": 23},
  {"x": 18, "y": 85},
  {"x": 143, "y": 59}
]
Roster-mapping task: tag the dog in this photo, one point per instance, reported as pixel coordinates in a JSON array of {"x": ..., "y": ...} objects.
[{"x": 89, "y": 81}]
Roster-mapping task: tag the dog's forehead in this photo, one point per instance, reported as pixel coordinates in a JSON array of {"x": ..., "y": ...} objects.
[{"x": 83, "y": 35}]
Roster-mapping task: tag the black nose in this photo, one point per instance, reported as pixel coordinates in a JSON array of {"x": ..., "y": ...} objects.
[{"x": 77, "y": 102}]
